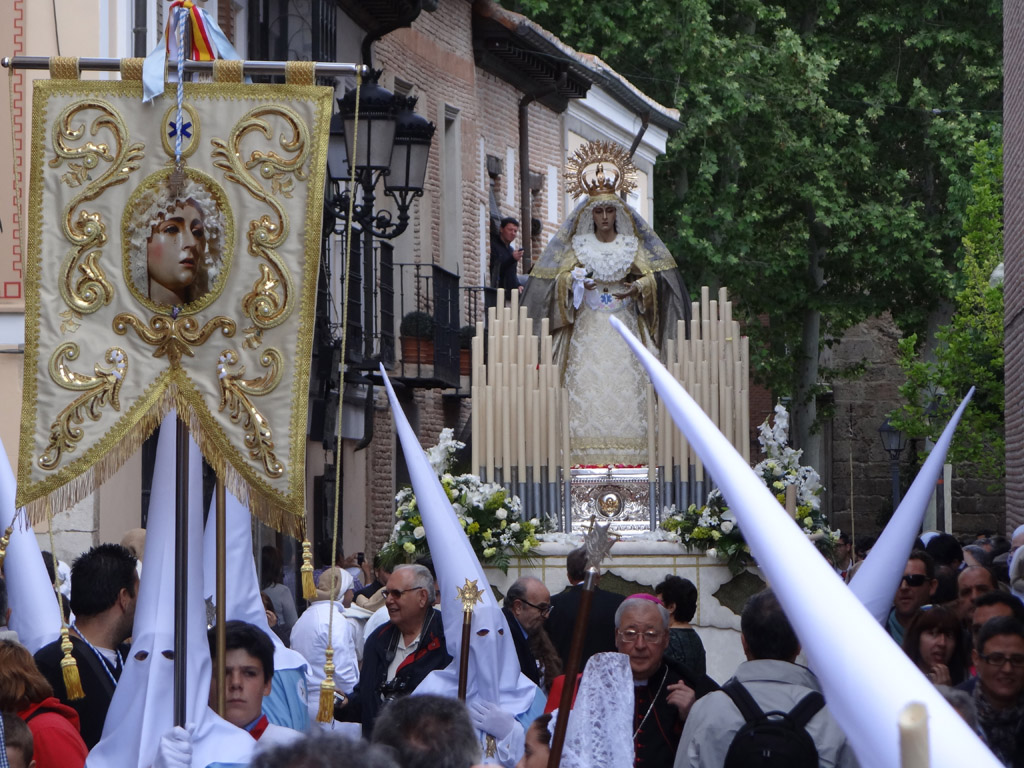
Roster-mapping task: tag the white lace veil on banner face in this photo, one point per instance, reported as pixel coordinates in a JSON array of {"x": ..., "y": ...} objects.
[{"x": 147, "y": 290}]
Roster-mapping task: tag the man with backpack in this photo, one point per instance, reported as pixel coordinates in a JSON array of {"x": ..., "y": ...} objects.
[{"x": 771, "y": 713}]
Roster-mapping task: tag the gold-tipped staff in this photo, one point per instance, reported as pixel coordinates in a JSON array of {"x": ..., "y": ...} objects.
[
  {"x": 598, "y": 543},
  {"x": 469, "y": 595}
]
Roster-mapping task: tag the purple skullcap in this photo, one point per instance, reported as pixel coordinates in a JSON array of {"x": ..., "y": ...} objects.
[{"x": 645, "y": 596}]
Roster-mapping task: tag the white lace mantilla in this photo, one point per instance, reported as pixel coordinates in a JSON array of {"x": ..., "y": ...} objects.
[
  {"x": 606, "y": 261},
  {"x": 600, "y": 733}
]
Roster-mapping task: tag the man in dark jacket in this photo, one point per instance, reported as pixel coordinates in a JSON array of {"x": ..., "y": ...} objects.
[
  {"x": 401, "y": 653},
  {"x": 600, "y": 635},
  {"x": 527, "y": 604},
  {"x": 104, "y": 588},
  {"x": 504, "y": 259}
]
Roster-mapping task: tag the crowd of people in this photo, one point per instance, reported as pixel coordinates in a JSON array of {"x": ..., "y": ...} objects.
[{"x": 956, "y": 617}]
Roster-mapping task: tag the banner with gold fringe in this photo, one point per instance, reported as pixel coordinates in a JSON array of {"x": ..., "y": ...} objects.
[{"x": 149, "y": 289}]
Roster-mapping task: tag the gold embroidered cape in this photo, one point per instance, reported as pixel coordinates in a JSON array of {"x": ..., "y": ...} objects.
[{"x": 147, "y": 289}]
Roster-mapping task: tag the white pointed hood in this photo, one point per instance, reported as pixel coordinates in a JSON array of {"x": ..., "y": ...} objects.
[
  {"x": 878, "y": 577},
  {"x": 494, "y": 673},
  {"x": 839, "y": 636},
  {"x": 35, "y": 615},
  {"x": 243, "y": 601},
  {"x": 143, "y": 704}
]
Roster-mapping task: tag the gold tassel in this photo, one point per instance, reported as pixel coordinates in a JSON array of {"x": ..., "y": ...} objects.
[
  {"x": 4, "y": 541},
  {"x": 69, "y": 668},
  {"x": 325, "y": 714},
  {"x": 308, "y": 587}
]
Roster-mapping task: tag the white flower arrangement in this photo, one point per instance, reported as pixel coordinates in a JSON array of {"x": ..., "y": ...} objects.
[
  {"x": 490, "y": 517},
  {"x": 713, "y": 529}
]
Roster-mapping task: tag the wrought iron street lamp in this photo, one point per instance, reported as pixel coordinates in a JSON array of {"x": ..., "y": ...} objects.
[
  {"x": 391, "y": 143},
  {"x": 893, "y": 441}
]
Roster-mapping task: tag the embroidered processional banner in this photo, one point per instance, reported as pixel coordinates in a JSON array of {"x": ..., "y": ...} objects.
[{"x": 148, "y": 289}]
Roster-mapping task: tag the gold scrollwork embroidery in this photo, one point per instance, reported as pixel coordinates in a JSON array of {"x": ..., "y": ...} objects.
[
  {"x": 98, "y": 391},
  {"x": 84, "y": 285},
  {"x": 272, "y": 298},
  {"x": 235, "y": 393},
  {"x": 70, "y": 321},
  {"x": 173, "y": 337}
]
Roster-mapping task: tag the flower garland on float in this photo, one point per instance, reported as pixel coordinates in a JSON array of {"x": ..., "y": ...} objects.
[{"x": 712, "y": 528}]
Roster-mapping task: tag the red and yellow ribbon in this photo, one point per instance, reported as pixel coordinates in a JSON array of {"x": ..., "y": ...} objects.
[{"x": 202, "y": 48}]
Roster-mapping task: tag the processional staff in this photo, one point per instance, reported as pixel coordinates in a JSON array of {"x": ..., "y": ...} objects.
[
  {"x": 469, "y": 595},
  {"x": 598, "y": 542}
]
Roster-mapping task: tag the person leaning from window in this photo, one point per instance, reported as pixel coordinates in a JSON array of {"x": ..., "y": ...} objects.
[{"x": 504, "y": 259}]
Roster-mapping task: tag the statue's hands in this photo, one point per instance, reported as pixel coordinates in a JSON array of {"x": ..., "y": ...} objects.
[
  {"x": 589, "y": 284},
  {"x": 633, "y": 290}
]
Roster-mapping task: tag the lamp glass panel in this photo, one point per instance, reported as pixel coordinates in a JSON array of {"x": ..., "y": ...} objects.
[{"x": 374, "y": 142}]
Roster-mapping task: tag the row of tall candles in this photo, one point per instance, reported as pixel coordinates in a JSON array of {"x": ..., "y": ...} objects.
[
  {"x": 713, "y": 364},
  {"x": 520, "y": 411}
]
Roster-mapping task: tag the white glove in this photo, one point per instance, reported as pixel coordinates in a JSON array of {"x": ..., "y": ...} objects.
[
  {"x": 175, "y": 749},
  {"x": 490, "y": 718}
]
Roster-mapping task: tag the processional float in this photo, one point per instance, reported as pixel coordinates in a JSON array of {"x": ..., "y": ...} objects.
[{"x": 172, "y": 259}]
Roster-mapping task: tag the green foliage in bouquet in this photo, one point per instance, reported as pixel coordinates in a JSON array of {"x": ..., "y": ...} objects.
[
  {"x": 712, "y": 528},
  {"x": 489, "y": 515}
]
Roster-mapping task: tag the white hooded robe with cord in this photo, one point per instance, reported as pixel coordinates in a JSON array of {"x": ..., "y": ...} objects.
[
  {"x": 494, "y": 676},
  {"x": 142, "y": 710},
  {"x": 827, "y": 617},
  {"x": 286, "y": 704},
  {"x": 35, "y": 613}
]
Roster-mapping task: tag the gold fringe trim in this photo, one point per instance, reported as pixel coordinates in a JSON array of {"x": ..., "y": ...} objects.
[
  {"x": 69, "y": 668},
  {"x": 308, "y": 587},
  {"x": 4, "y": 542},
  {"x": 263, "y": 508},
  {"x": 325, "y": 712}
]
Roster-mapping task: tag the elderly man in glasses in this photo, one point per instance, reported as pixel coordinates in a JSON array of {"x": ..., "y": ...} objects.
[
  {"x": 998, "y": 690},
  {"x": 663, "y": 691},
  {"x": 527, "y": 604},
  {"x": 398, "y": 655},
  {"x": 917, "y": 586}
]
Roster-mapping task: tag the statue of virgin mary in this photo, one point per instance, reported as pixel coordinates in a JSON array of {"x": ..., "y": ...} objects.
[{"x": 605, "y": 260}]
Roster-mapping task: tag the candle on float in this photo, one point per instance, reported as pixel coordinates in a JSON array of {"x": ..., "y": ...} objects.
[
  {"x": 506, "y": 434},
  {"x": 651, "y": 457},
  {"x": 489, "y": 434}
]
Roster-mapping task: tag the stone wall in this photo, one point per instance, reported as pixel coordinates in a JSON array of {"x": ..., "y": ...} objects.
[{"x": 861, "y": 405}]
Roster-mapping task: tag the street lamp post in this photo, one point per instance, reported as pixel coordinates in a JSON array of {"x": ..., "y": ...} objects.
[
  {"x": 894, "y": 441},
  {"x": 391, "y": 143}
]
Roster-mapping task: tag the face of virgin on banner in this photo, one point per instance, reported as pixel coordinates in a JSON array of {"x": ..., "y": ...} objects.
[{"x": 176, "y": 253}]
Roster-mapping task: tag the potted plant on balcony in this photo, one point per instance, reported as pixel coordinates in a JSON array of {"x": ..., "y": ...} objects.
[
  {"x": 466, "y": 334},
  {"x": 417, "y": 332}
]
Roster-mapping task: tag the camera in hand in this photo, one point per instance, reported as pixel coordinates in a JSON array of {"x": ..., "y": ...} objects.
[{"x": 394, "y": 689}]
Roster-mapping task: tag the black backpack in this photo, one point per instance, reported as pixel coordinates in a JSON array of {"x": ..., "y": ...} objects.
[{"x": 770, "y": 739}]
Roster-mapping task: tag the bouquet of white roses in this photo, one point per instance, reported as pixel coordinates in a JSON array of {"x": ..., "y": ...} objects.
[
  {"x": 490, "y": 516},
  {"x": 712, "y": 528}
]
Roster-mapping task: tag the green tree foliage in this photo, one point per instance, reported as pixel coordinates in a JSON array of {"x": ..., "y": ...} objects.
[
  {"x": 819, "y": 146},
  {"x": 970, "y": 347}
]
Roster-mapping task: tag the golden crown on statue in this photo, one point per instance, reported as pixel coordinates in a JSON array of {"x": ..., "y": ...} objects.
[{"x": 585, "y": 172}]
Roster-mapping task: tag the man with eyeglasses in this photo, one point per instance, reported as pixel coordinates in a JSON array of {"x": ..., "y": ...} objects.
[
  {"x": 998, "y": 690},
  {"x": 663, "y": 691},
  {"x": 917, "y": 585},
  {"x": 527, "y": 604},
  {"x": 398, "y": 655}
]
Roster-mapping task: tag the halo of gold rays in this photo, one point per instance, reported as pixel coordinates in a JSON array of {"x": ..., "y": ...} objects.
[{"x": 601, "y": 154}]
